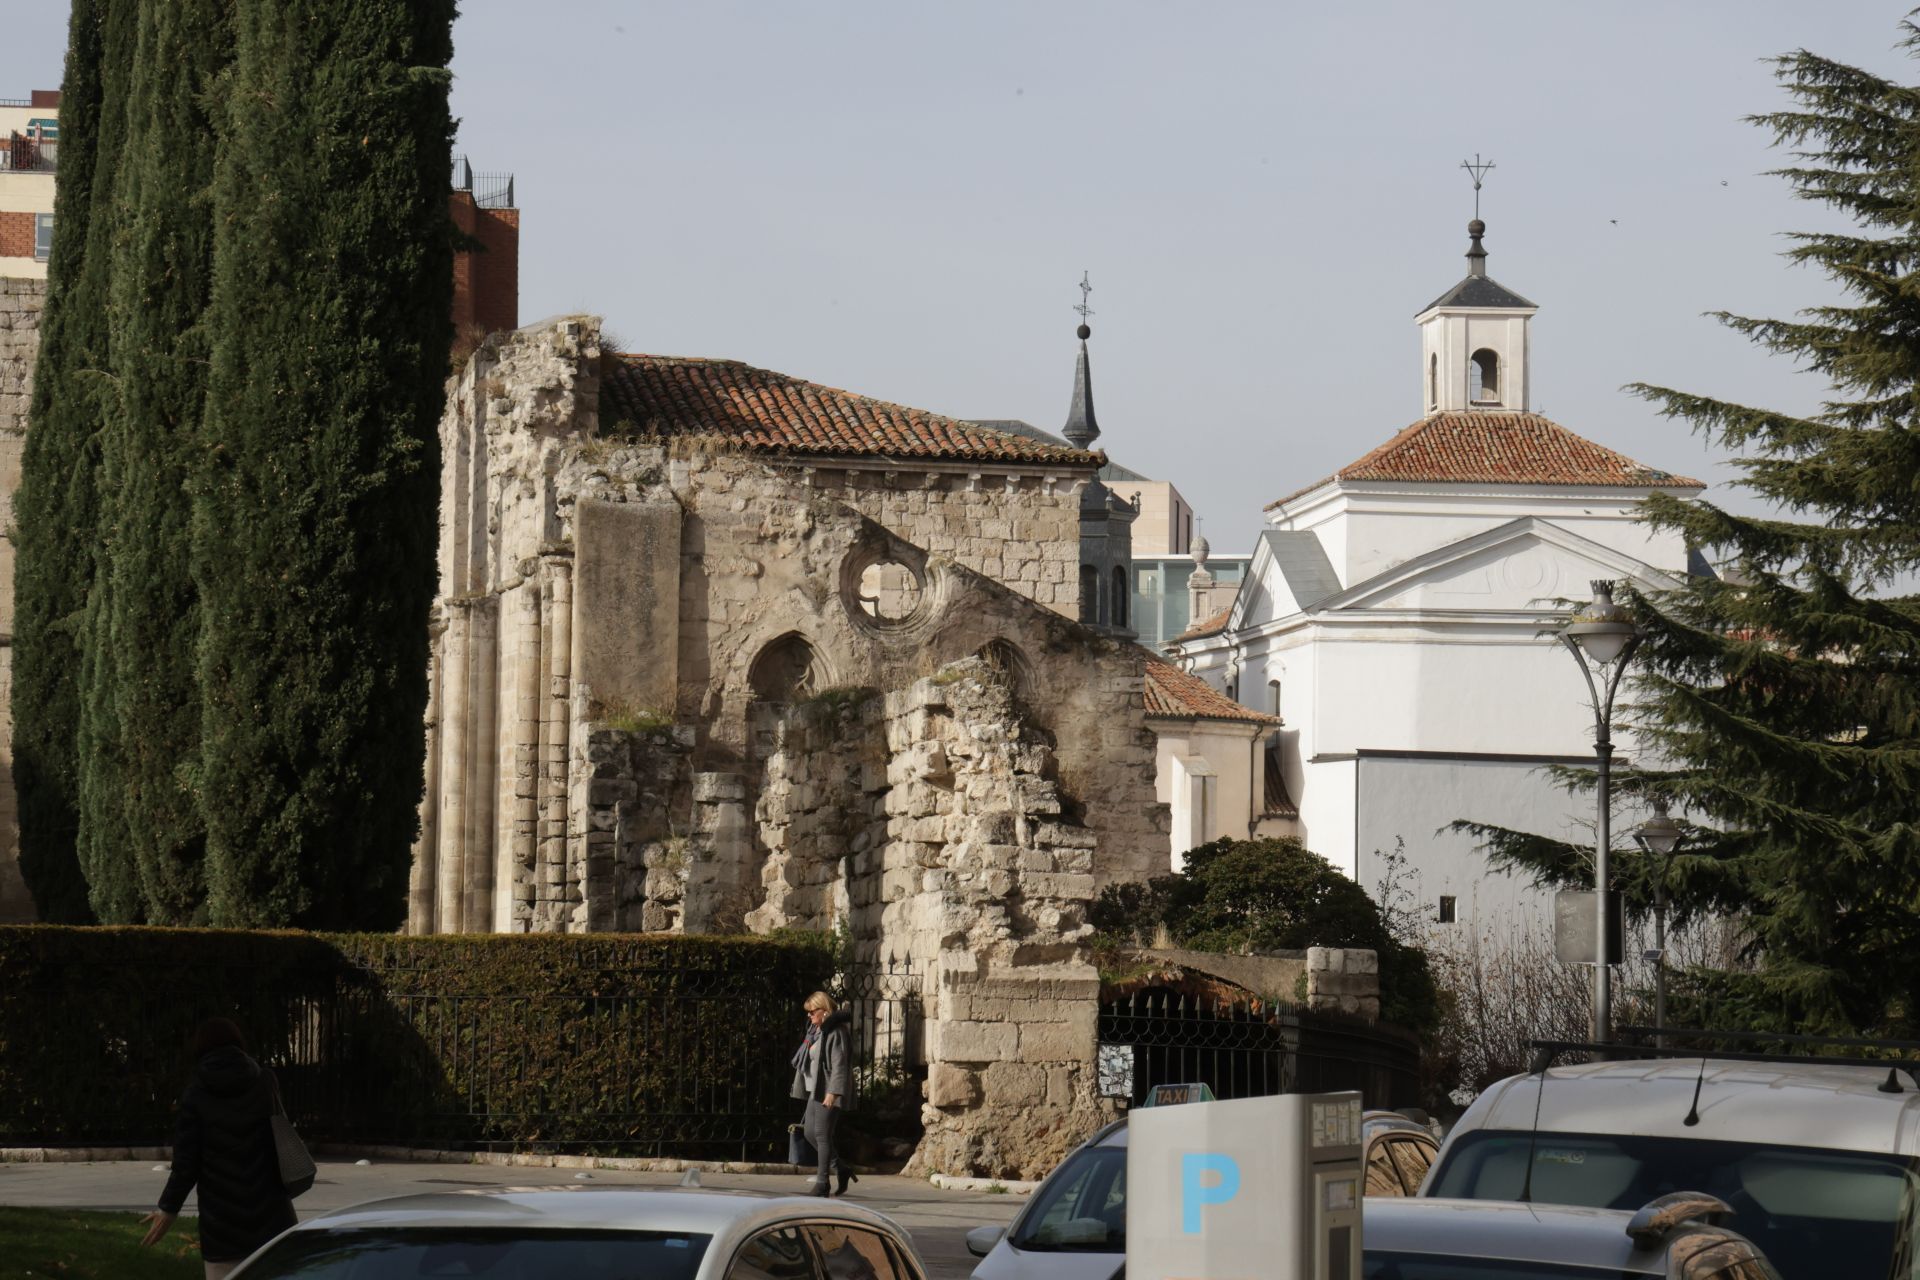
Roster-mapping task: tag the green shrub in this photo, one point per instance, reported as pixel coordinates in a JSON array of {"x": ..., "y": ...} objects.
[{"x": 613, "y": 1042}]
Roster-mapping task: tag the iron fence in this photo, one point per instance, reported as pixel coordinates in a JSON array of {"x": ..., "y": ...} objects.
[
  {"x": 489, "y": 190},
  {"x": 1247, "y": 1049},
  {"x": 886, "y": 1002}
]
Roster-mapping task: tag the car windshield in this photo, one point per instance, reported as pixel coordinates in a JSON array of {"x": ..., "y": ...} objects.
[
  {"x": 1812, "y": 1212},
  {"x": 1082, "y": 1207},
  {"x": 505, "y": 1253},
  {"x": 1418, "y": 1266}
]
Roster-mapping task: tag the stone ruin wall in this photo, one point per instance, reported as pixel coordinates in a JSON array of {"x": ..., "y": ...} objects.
[
  {"x": 935, "y": 802},
  {"x": 20, "y": 305}
]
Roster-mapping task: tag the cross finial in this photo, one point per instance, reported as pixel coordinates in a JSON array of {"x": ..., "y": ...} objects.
[
  {"x": 1478, "y": 168},
  {"x": 1085, "y": 289}
]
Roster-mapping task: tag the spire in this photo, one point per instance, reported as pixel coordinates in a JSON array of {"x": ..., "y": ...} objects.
[{"x": 1081, "y": 428}]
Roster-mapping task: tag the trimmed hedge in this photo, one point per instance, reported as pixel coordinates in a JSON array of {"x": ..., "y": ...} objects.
[{"x": 645, "y": 1044}]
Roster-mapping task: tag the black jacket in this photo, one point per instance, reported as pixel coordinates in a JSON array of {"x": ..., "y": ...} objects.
[
  {"x": 224, "y": 1145},
  {"x": 828, "y": 1067}
]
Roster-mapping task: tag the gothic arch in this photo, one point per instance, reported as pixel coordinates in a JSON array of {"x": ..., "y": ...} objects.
[{"x": 786, "y": 669}]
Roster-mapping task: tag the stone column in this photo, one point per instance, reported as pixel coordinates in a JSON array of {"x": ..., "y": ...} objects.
[
  {"x": 483, "y": 748},
  {"x": 455, "y": 733},
  {"x": 426, "y": 849},
  {"x": 529, "y": 675},
  {"x": 557, "y": 710}
]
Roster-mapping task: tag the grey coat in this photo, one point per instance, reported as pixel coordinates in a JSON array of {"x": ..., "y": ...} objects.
[{"x": 826, "y": 1066}]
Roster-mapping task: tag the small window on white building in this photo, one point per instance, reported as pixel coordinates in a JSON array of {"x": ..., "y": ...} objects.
[
  {"x": 1485, "y": 376},
  {"x": 1274, "y": 687},
  {"x": 1433, "y": 382},
  {"x": 42, "y": 236},
  {"x": 1447, "y": 909}
]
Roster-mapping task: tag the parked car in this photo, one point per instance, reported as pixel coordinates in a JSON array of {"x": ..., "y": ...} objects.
[
  {"x": 592, "y": 1234},
  {"x": 1675, "y": 1237},
  {"x": 1820, "y": 1161},
  {"x": 1075, "y": 1225}
]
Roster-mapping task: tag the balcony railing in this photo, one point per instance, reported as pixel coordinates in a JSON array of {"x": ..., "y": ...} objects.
[
  {"x": 22, "y": 154},
  {"x": 489, "y": 190}
]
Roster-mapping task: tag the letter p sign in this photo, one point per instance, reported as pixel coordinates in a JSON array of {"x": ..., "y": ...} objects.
[{"x": 1196, "y": 1190}]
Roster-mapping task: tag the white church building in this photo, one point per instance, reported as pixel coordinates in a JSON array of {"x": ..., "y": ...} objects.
[{"x": 1395, "y": 616}]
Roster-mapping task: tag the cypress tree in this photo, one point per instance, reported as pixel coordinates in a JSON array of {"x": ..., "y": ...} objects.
[
  {"x": 315, "y": 495},
  {"x": 56, "y": 506},
  {"x": 1786, "y": 693},
  {"x": 140, "y": 713}
]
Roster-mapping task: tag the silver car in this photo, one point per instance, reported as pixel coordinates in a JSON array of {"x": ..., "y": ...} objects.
[{"x": 592, "y": 1234}]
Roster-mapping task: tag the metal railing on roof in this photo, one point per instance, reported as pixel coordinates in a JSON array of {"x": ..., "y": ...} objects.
[
  {"x": 489, "y": 190},
  {"x": 23, "y": 154}
]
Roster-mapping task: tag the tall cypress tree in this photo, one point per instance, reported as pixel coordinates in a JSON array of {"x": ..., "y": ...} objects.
[
  {"x": 140, "y": 713},
  {"x": 56, "y": 507},
  {"x": 314, "y": 501},
  {"x": 1787, "y": 692}
]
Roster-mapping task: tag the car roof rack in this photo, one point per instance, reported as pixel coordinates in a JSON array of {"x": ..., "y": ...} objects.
[
  {"x": 1770, "y": 1037},
  {"x": 1545, "y": 1051}
]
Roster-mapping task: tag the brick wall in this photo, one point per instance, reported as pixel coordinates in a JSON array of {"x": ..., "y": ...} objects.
[
  {"x": 16, "y": 235},
  {"x": 486, "y": 281}
]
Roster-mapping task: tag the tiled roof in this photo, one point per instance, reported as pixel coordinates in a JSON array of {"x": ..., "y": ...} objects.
[
  {"x": 774, "y": 413},
  {"x": 1175, "y": 693},
  {"x": 1498, "y": 448},
  {"x": 1211, "y": 627}
]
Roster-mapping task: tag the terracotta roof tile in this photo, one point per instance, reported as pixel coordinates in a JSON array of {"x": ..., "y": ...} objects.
[
  {"x": 1211, "y": 627},
  {"x": 1175, "y": 693},
  {"x": 774, "y": 413},
  {"x": 1498, "y": 448}
]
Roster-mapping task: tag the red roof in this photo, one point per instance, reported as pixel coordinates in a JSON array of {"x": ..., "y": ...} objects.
[
  {"x": 1211, "y": 627},
  {"x": 1498, "y": 448},
  {"x": 1176, "y": 694},
  {"x": 771, "y": 412}
]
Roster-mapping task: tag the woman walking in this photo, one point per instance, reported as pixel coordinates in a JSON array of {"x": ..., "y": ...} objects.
[
  {"x": 224, "y": 1145},
  {"x": 823, "y": 1075}
]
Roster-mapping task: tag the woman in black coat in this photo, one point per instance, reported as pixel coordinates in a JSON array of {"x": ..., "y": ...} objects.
[{"x": 224, "y": 1145}]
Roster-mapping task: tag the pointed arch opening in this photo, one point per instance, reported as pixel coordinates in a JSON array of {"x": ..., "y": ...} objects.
[{"x": 786, "y": 670}]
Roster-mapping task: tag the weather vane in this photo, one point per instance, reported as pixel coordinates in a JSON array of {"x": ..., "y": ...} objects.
[
  {"x": 1085, "y": 289},
  {"x": 1478, "y": 168}
]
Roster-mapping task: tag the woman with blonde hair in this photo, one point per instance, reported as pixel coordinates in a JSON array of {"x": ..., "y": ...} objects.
[{"x": 823, "y": 1075}]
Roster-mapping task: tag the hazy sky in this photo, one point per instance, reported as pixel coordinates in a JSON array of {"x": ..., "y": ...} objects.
[{"x": 899, "y": 198}]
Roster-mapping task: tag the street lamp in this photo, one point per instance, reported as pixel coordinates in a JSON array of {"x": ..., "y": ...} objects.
[
  {"x": 1660, "y": 835},
  {"x": 1601, "y": 635}
]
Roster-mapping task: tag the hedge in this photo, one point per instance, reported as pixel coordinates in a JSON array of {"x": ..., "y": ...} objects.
[{"x": 614, "y": 1043}]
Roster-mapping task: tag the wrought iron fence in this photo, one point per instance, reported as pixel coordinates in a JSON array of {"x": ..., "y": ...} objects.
[
  {"x": 489, "y": 190},
  {"x": 1246, "y": 1049},
  {"x": 22, "y": 153},
  {"x": 885, "y": 1000}
]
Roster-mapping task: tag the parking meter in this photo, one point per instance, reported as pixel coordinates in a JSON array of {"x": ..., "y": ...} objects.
[{"x": 1251, "y": 1189}]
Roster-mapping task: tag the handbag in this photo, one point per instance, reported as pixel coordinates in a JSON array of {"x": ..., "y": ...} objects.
[
  {"x": 799, "y": 1150},
  {"x": 297, "y": 1169}
]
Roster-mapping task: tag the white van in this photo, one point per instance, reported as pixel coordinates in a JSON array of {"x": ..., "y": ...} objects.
[{"x": 1820, "y": 1161}]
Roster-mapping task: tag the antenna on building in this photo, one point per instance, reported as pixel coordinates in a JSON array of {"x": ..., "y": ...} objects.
[{"x": 1478, "y": 168}]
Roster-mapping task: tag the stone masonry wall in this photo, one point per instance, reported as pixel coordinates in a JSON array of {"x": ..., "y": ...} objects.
[{"x": 20, "y": 305}]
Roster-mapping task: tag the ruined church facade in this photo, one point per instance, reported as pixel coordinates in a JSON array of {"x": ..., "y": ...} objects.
[{"x": 720, "y": 650}]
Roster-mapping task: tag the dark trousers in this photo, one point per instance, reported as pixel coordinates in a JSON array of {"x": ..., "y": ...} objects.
[{"x": 818, "y": 1124}]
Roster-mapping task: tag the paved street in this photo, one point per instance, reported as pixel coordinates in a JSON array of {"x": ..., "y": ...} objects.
[{"x": 939, "y": 1220}]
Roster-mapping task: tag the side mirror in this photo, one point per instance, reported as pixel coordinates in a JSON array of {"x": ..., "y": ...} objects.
[{"x": 980, "y": 1240}]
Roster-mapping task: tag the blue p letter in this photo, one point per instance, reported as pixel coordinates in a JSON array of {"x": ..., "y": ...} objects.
[{"x": 1194, "y": 1193}]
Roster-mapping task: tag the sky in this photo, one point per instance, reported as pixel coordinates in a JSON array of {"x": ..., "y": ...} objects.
[{"x": 900, "y": 199}]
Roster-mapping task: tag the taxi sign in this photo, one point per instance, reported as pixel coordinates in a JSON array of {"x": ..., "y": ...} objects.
[{"x": 1168, "y": 1095}]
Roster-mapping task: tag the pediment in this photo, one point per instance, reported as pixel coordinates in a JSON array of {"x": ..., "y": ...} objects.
[{"x": 1521, "y": 567}]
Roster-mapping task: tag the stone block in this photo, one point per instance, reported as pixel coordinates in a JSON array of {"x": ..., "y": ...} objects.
[
  {"x": 971, "y": 1041},
  {"x": 1054, "y": 1042},
  {"x": 626, "y": 601},
  {"x": 1014, "y": 1084},
  {"x": 711, "y": 787},
  {"x": 950, "y": 1087}
]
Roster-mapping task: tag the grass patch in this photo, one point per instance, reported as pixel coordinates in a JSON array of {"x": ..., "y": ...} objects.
[
  {"x": 84, "y": 1244},
  {"x": 629, "y": 719}
]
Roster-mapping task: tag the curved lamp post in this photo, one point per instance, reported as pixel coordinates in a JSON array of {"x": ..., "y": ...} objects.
[
  {"x": 1602, "y": 638},
  {"x": 1660, "y": 835}
]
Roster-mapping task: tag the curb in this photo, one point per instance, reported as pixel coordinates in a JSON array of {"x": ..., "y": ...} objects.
[{"x": 947, "y": 1182}]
